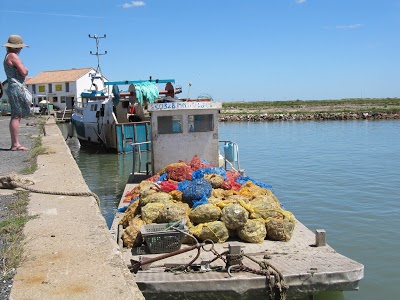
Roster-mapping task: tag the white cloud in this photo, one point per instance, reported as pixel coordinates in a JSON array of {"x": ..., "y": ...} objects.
[
  {"x": 133, "y": 4},
  {"x": 300, "y": 1},
  {"x": 349, "y": 27}
]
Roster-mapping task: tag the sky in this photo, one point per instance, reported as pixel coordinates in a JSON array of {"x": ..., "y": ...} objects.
[{"x": 255, "y": 50}]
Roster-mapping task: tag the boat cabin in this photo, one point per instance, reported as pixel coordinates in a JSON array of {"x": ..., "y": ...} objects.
[{"x": 181, "y": 130}]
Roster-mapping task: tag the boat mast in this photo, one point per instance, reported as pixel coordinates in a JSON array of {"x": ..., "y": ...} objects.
[{"x": 98, "y": 69}]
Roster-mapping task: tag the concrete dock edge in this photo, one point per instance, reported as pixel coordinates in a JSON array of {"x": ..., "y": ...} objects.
[{"x": 69, "y": 252}]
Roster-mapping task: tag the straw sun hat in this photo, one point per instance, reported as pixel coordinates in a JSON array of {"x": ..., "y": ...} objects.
[{"x": 15, "y": 41}]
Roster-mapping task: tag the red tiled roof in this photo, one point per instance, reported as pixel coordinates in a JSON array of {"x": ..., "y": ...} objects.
[{"x": 58, "y": 76}]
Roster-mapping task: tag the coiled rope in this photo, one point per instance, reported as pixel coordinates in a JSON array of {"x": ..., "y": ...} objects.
[
  {"x": 13, "y": 181},
  {"x": 276, "y": 291}
]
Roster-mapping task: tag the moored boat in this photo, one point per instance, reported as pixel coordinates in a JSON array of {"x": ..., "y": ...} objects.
[
  {"x": 109, "y": 117},
  {"x": 180, "y": 263}
]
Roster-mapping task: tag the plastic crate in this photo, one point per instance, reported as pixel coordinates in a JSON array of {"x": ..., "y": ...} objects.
[{"x": 158, "y": 238}]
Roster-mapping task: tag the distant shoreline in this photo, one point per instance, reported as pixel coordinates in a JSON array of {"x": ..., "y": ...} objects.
[
  {"x": 307, "y": 110},
  {"x": 269, "y": 117}
]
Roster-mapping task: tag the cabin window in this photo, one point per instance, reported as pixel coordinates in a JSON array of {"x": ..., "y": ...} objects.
[
  {"x": 169, "y": 124},
  {"x": 200, "y": 123},
  {"x": 93, "y": 107}
]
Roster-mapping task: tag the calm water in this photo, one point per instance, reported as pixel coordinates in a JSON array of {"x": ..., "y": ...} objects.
[{"x": 341, "y": 176}]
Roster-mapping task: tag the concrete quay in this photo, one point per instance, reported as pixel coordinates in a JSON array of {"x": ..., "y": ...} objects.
[{"x": 69, "y": 252}]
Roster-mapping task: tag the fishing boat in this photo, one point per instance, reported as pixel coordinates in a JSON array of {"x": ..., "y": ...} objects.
[
  {"x": 166, "y": 257},
  {"x": 109, "y": 117}
]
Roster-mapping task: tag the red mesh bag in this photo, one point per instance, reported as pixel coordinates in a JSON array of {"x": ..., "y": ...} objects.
[
  {"x": 168, "y": 186},
  {"x": 131, "y": 195},
  {"x": 179, "y": 173},
  {"x": 231, "y": 185},
  {"x": 153, "y": 178},
  {"x": 196, "y": 163},
  {"x": 232, "y": 175}
]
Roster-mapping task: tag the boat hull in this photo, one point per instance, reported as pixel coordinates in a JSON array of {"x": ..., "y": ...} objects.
[
  {"x": 306, "y": 269},
  {"x": 113, "y": 137},
  {"x": 89, "y": 133}
]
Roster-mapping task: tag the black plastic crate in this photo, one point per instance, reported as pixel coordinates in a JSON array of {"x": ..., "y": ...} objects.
[{"x": 162, "y": 238}]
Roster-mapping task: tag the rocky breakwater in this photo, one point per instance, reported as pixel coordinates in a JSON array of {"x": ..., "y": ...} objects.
[{"x": 325, "y": 116}]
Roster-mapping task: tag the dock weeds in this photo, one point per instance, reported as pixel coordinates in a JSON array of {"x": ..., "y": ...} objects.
[
  {"x": 13, "y": 223},
  {"x": 36, "y": 150},
  {"x": 12, "y": 236}
]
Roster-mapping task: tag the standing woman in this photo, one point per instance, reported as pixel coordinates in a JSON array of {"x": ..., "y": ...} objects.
[{"x": 16, "y": 73}]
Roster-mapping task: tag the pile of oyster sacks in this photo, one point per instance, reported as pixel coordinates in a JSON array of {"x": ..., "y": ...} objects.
[{"x": 216, "y": 205}]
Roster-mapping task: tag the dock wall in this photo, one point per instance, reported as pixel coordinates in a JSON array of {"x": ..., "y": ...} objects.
[{"x": 69, "y": 252}]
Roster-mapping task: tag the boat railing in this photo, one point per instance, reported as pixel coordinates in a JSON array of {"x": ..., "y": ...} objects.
[
  {"x": 229, "y": 155},
  {"x": 141, "y": 166}
]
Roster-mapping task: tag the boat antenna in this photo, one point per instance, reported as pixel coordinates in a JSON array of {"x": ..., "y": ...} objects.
[
  {"x": 98, "y": 69},
  {"x": 187, "y": 97}
]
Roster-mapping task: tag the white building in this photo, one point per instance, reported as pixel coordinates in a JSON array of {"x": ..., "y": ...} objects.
[{"x": 62, "y": 88}]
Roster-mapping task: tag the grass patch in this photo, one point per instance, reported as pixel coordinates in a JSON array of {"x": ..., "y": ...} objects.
[
  {"x": 11, "y": 234},
  {"x": 13, "y": 223},
  {"x": 36, "y": 150}
]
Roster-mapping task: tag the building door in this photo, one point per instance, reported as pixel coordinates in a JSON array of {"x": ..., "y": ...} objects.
[{"x": 70, "y": 102}]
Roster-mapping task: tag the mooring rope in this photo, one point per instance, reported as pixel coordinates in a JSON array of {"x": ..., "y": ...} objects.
[
  {"x": 13, "y": 181},
  {"x": 269, "y": 269}
]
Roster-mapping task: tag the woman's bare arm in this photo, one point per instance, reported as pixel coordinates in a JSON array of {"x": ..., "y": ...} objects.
[{"x": 13, "y": 60}]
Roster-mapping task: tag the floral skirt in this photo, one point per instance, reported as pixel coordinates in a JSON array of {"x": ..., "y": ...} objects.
[{"x": 19, "y": 106}]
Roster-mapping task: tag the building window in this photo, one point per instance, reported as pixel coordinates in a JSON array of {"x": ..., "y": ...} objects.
[
  {"x": 50, "y": 88},
  {"x": 200, "y": 123},
  {"x": 55, "y": 99},
  {"x": 67, "y": 86},
  {"x": 42, "y": 89},
  {"x": 169, "y": 124},
  {"x": 58, "y": 87},
  {"x": 34, "y": 88},
  {"x": 63, "y": 99}
]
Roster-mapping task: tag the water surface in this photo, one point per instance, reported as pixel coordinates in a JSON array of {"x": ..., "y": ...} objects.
[{"x": 341, "y": 176}]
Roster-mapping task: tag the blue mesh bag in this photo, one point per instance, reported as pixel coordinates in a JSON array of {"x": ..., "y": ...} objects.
[
  {"x": 195, "y": 191},
  {"x": 203, "y": 200},
  {"x": 162, "y": 177},
  {"x": 200, "y": 172},
  {"x": 124, "y": 208},
  {"x": 182, "y": 185},
  {"x": 243, "y": 179}
]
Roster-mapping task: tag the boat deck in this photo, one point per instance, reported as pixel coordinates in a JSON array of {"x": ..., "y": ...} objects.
[{"x": 306, "y": 269}]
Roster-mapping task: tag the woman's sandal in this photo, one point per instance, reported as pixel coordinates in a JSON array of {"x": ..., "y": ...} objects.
[{"x": 20, "y": 148}]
